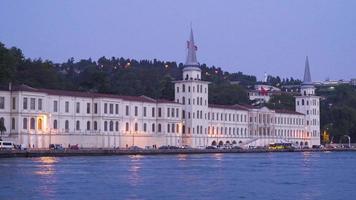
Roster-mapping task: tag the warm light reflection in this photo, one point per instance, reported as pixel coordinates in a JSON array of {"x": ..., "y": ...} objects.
[
  {"x": 218, "y": 156},
  {"x": 182, "y": 156},
  {"x": 46, "y": 165},
  {"x": 134, "y": 169}
]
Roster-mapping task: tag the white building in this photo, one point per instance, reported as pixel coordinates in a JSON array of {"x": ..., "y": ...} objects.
[{"x": 39, "y": 117}]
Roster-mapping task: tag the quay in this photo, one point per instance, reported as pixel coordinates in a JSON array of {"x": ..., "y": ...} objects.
[{"x": 112, "y": 152}]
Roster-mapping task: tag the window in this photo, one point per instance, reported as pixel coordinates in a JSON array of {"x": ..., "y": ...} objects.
[
  {"x": 55, "y": 106},
  {"x": 24, "y": 123},
  {"x": 111, "y": 126},
  {"x": 144, "y": 111},
  {"x": 66, "y": 125},
  {"x": 127, "y": 127},
  {"x": 168, "y": 112},
  {"x": 32, "y": 123},
  {"x": 105, "y": 108},
  {"x": 88, "y": 125},
  {"x": 168, "y": 128},
  {"x": 116, "y": 126},
  {"x": 105, "y": 126},
  {"x": 13, "y": 103},
  {"x": 144, "y": 127},
  {"x": 13, "y": 123},
  {"x": 2, "y": 102},
  {"x": 24, "y": 103},
  {"x": 127, "y": 111},
  {"x": 153, "y": 112},
  {"x": 88, "y": 108},
  {"x": 159, "y": 128},
  {"x": 159, "y": 112},
  {"x": 77, "y": 108},
  {"x": 95, "y": 125},
  {"x": 39, "y": 104},
  {"x": 77, "y": 125},
  {"x": 96, "y": 108},
  {"x": 136, "y": 127},
  {"x": 66, "y": 106},
  {"x": 183, "y": 88},
  {"x": 55, "y": 124},
  {"x": 111, "y": 109},
  {"x": 39, "y": 124},
  {"x": 153, "y": 128},
  {"x": 116, "y": 108},
  {"x": 136, "y": 111},
  {"x": 32, "y": 103}
]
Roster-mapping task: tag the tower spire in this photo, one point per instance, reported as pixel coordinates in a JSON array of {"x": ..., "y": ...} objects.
[
  {"x": 192, "y": 56},
  {"x": 307, "y": 77}
]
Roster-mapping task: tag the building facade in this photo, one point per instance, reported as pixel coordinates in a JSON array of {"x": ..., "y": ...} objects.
[{"x": 38, "y": 117}]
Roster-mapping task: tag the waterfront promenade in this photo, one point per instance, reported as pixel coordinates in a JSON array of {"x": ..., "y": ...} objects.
[{"x": 106, "y": 152}]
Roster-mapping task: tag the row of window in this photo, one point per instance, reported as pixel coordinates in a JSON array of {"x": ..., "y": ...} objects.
[
  {"x": 199, "y": 101},
  {"x": 199, "y": 89},
  {"x": 306, "y": 102},
  {"x": 227, "y": 131}
]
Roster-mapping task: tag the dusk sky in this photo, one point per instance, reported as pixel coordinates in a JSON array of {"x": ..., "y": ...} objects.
[{"x": 254, "y": 37}]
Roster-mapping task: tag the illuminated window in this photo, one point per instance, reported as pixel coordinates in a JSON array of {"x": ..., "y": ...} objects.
[{"x": 39, "y": 124}]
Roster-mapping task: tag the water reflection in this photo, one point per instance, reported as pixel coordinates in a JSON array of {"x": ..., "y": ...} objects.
[
  {"x": 135, "y": 166},
  {"x": 182, "y": 157},
  {"x": 46, "y": 165},
  {"x": 218, "y": 156}
]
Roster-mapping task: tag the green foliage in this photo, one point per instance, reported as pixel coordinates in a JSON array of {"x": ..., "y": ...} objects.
[
  {"x": 283, "y": 101},
  {"x": 338, "y": 111}
]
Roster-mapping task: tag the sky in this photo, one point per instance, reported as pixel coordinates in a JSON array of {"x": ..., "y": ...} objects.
[{"x": 254, "y": 37}]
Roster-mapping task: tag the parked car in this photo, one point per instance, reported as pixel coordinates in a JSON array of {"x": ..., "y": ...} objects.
[
  {"x": 134, "y": 148},
  {"x": 6, "y": 145},
  {"x": 75, "y": 147},
  {"x": 56, "y": 147}
]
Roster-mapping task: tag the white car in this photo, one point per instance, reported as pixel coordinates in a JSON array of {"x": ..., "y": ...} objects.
[{"x": 6, "y": 145}]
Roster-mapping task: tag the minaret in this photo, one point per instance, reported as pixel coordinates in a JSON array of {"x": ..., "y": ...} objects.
[
  {"x": 192, "y": 92},
  {"x": 308, "y": 104}
]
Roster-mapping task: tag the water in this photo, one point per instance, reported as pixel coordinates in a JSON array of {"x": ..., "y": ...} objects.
[{"x": 209, "y": 176}]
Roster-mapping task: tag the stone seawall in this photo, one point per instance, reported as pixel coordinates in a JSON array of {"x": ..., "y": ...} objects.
[{"x": 109, "y": 152}]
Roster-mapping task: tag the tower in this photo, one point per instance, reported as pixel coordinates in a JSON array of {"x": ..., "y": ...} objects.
[
  {"x": 308, "y": 104},
  {"x": 192, "y": 92}
]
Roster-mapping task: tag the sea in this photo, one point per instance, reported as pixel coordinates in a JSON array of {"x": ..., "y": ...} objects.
[{"x": 280, "y": 176}]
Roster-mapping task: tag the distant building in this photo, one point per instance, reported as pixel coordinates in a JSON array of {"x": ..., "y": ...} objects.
[
  {"x": 353, "y": 82},
  {"x": 38, "y": 117}
]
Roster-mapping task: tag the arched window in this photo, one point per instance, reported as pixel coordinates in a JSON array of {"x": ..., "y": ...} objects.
[
  {"x": 39, "y": 124},
  {"x": 136, "y": 127},
  {"x": 24, "y": 123},
  {"x": 183, "y": 89},
  {"x": 55, "y": 124},
  {"x": 302, "y": 102},
  {"x": 159, "y": 128},
  {"x": 95, "y": 125},
  {"x": 77, "y": 125},
  {"x": 144, "y": 127},
  {"x": 88, "y": 125},
  {"x": 111, "y": 126},
  {"x": 105, "y": 126},
  {"x": 66, "y": 125},
  {"x": 116, "y": 126},
  {"x": 153, "y": 128},
  {"x": 127, "y": 126},
  {"x": 13, "y": 123}
]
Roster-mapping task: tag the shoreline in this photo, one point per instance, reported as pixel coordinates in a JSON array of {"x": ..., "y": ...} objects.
[{"x": 118, "y": 152}]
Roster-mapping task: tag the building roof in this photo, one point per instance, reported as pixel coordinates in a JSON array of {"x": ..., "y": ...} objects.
[
  {"x": 307, "y": 77},
  {"x": 283, "y": 111},
  {"x": 232, "y": 107},
  {"x": 90, "y": 94},
  {"x": 192, "y": 48}
]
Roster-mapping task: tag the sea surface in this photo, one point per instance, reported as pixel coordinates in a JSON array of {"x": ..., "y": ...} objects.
[{"x": 320, "y": 175}]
